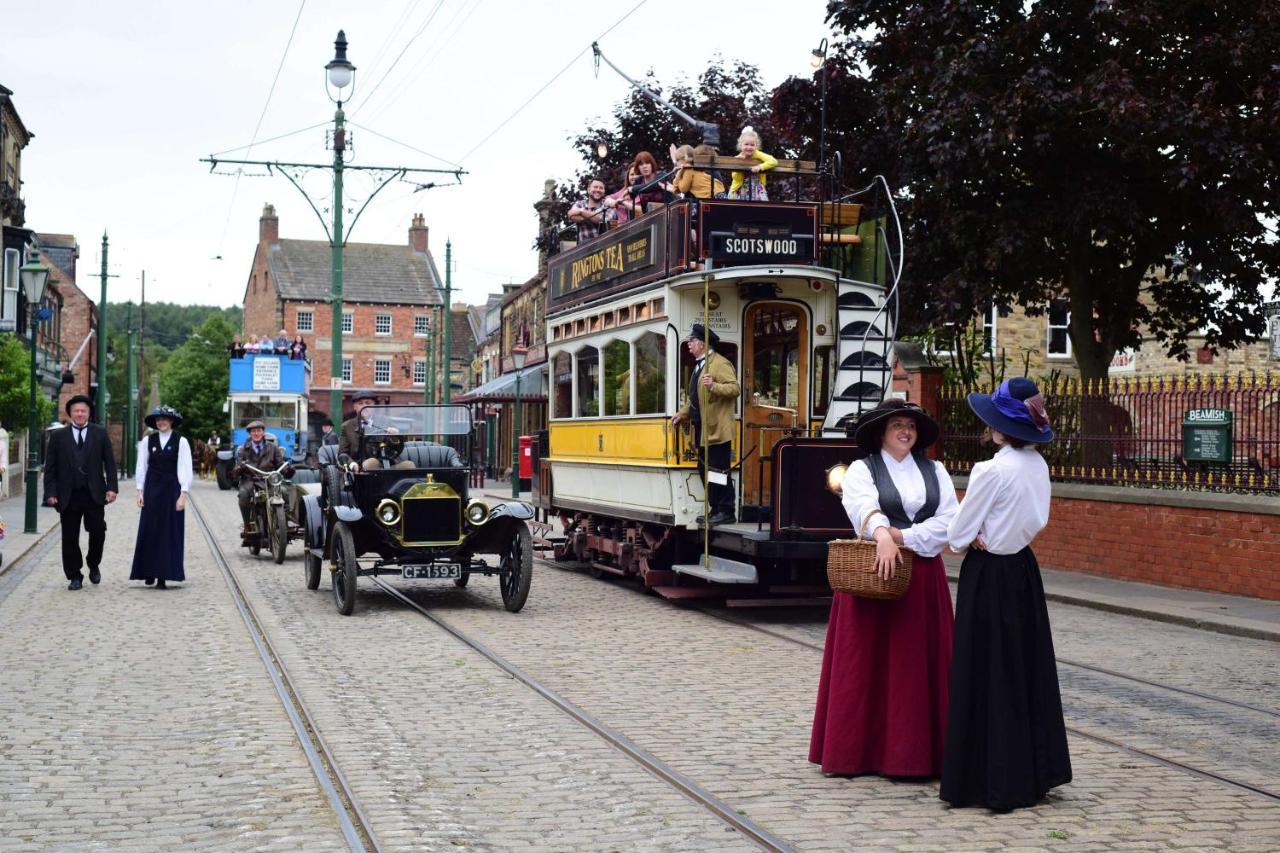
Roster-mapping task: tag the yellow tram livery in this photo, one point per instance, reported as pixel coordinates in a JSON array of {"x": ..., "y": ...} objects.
[{"x": 797, "y": 293}]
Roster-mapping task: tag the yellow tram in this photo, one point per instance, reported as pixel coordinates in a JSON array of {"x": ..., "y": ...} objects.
[{"x": 796, "y": 291}]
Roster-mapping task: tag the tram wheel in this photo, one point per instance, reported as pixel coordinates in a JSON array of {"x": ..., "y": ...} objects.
[
  {"x": 346, "y": 569},
  {"x": 517, "y": 569}
]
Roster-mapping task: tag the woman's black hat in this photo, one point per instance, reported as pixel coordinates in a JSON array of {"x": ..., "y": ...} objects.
[
  {"x": 163, "y": 412},
  {"x": 870, "y": 429},
  {"x": 79, "y": 398}
]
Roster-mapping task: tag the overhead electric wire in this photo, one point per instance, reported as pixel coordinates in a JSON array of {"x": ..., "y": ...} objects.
[
  {"x": 391, "y": 33},
  {"x": 404, "y": 144},
  {"x": 272, "y": 139},
  {"x": 396, "y": 61},
  {"x": 235, "y": 188},
  {"x": 553, "y": 79}
]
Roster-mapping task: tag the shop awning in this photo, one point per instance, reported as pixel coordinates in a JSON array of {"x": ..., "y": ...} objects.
[{"x": 503, "y": 389}]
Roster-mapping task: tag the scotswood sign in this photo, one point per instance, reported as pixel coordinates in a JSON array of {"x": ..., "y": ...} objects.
[{"x": 758, "y": 233}]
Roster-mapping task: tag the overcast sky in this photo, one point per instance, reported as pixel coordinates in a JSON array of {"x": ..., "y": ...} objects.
[{"x": 124, "y": 98}]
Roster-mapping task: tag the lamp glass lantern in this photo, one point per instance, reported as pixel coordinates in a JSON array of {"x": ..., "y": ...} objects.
[
  {"x": 34, "y": 277},
  {"x": 518, "y": 355},
  {"x": 340, "y": 72}
]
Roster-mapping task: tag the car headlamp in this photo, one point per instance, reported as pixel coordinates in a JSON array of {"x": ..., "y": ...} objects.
[
  {"x": 387, "y": 512},
  {"x": 477, "y": 512},
  {"x": 835, "y": 478}
]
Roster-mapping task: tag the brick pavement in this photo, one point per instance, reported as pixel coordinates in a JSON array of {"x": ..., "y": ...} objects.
[
  {"x": 442, "y": 749},
  {"x": 137, "y": 719},
  {"x": 732, "y": 709}
]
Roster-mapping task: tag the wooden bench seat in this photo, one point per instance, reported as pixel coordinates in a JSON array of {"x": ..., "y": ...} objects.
[{"x": 735, "y": 164}]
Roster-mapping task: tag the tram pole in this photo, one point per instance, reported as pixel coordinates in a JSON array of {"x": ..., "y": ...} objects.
[
  {"x": 706, "y": 459},
  {"x": 447, "y": 358}
]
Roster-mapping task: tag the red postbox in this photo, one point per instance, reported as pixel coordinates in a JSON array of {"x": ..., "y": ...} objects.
[{"x": 526, "y": 457}]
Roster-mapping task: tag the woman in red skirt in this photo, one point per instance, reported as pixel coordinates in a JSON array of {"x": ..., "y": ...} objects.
[{"x": 882, "y": 701}]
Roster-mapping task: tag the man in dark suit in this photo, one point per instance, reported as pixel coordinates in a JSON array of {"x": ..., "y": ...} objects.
[{"x": 80, "y": 480}]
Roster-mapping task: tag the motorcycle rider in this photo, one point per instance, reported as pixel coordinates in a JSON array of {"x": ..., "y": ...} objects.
[{"x": 266, "y": 456}]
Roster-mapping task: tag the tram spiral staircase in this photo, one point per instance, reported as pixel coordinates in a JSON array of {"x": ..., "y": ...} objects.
[{"x": 864, "y": 353}]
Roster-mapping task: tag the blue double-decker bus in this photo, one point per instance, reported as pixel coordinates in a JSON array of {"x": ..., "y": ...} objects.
[{"x": 268, "y": 388}]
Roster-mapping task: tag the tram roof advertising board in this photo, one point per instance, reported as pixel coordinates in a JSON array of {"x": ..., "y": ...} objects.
[{"x": 614, "y": 261}]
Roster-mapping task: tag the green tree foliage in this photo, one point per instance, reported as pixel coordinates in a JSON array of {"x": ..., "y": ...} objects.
[
  {"x": 1125, "y": 153},
  {"x": 194, "y": 379},
  {"x": 168, "y": 324},
  {"x": 15, "y": 387}
]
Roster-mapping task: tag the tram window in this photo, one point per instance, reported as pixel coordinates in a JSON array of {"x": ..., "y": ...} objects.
[
  {"x": 617, "y": 378},
  {"x": 651, "y": 373},
  {"x": 277, "y": 415},
  {"x": 562, "y": 379},
  {"x": 824, "y": 376},
  {"x": 589, "y": 383}
]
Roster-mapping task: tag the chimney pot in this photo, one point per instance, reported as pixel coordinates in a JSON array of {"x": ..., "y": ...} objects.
[
  {"x": 269, "y": 225},
  {"x": 418, "y": 233}
]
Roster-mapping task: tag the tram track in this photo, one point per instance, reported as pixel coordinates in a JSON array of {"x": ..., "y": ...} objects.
[
  {"x": 1138, "y": 752},
  {"x": 637, "y": 754},
  {"x": 356, "y": 828}
]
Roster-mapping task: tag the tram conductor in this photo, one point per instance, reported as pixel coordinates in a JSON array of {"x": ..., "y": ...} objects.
[{"x": 713, "y": 389}]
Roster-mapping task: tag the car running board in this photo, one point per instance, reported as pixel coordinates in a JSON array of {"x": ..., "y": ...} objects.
[{"x": 719, "y": 570}]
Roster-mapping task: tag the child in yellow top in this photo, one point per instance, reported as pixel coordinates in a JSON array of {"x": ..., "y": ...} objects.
[
  {"x": 691, "y": 181},
  {"x": 750, "y": 186}
]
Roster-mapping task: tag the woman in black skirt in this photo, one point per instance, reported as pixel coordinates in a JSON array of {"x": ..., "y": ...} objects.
[
  {"x": 164, "y": 477},
  {"x": 1006, "y": 739}
]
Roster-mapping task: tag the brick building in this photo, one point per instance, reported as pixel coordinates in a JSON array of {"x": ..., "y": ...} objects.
[
  {"x": 75, "y": 319},
  {"x": 392, "y": 305}
]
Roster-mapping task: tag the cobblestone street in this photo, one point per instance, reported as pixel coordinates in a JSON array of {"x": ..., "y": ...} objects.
[{"x": 140, "y": 719}]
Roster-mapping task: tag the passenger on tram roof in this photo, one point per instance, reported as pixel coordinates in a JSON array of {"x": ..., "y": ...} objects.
[
  {"x": 619, "y": 201},
  {"x": 252, "y": 345},
  {"x": 590, "y": 212},
  {"x": 646, "y": 170},
  {"x": 750, "y": 186},
  {"x": 281, "y": 344},
  {"x": 692, "y": 182}
]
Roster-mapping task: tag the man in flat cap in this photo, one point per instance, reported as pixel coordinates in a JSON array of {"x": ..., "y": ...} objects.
[
  {"x": 262, "y": 454},
  {"x": 713, "y": 388},
  {"x": 80, "y": 480}
]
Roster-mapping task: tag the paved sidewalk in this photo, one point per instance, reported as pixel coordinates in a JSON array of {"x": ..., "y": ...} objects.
[
  {"x": 134, "y": 718},
  {"x": 16, "y": 543}
]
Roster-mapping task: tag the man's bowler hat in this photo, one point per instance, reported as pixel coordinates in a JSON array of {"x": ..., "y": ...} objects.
[{"x": 79, "y": 398}]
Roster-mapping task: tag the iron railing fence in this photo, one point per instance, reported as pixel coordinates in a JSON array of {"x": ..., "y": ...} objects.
[{"x": 1129, "y": 432}]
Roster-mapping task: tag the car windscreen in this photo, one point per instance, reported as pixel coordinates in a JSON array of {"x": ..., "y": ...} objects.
[{"x": 430, "y": 422}]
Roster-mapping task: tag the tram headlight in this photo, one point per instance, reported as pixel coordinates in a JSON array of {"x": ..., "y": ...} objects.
[
  {"x": 388, "y": 512},
  {"x": 477, "y": 512},
  {"x": 835, "y": 478}
]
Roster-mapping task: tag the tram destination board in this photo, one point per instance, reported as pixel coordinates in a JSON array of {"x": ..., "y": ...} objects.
[
  {"x": 1206, "y": 435},
  {"x": 617, "y": 260},
  {"x": 759, "y": 233}
]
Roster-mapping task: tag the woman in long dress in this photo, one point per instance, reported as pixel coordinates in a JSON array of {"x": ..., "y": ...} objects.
[
  {"x": 164, "y": 478},
  {"x": 882, "y": 700},
  {"x": 1006, "y": 739}
]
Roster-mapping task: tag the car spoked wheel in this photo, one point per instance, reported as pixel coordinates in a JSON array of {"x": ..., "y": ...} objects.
[
  {"x": 517, "y": 569},
  {"x": 346, "y": 569},
  {"x": 279, "y": 534}
]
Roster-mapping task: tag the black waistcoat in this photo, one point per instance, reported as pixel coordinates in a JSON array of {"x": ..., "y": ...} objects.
[
  {"x": 162, "y": 461},
  {"x": 891, "y": 501},
  {"x": 79, "y": 457}
]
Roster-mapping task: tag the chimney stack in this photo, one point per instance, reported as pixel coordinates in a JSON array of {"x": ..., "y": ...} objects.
[
  {"x": 269, "y": 225},
  {"x": 418, "y": 232}
]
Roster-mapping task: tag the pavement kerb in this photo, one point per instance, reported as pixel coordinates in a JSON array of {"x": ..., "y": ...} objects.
[{"x": 12, "y": 559}]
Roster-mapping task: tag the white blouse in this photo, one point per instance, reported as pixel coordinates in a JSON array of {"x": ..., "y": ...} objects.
[
  {"x": 861, "y": 500},
  {"x": 1007, "y": 502},
  {"x": 185, "y": 475}
]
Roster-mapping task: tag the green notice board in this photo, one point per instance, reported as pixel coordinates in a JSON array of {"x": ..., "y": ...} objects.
[{"x": 1206, "y": 435}]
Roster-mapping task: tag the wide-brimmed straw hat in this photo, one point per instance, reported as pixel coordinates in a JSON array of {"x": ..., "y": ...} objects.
[
  {"x": 163, "y": 412},
  {"x": 870, "y": 429},
  {"x": 1015, "y": 409}
]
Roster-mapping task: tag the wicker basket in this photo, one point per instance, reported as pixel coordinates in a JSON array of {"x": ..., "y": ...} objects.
[{"x": 851, "y": 568}]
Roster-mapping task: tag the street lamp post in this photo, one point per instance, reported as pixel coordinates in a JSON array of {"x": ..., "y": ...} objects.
[
  {"x": 518, "y": 354},
  {"x": 34, "y": 276},
  {"x": 819, "y": 62},
  {"x": 339, "y": 74}
]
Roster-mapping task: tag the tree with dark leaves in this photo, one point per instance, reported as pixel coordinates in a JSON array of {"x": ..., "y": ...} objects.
[{"x": 1120, "y": 154}]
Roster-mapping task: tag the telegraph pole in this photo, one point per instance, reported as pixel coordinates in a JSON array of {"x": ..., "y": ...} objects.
[
  {"x": 335, "y": 294},
  {"x": 447, "y": 358},
  {"x": 130, "y": 434},
  {"x": 143, "y": 376},
  {"x": 102, "y": 340}
]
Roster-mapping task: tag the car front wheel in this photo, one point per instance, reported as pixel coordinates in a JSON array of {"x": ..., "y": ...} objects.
[{"x": 517, "y": 569}]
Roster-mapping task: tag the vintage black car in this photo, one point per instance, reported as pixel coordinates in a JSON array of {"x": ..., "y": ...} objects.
[{"x": 400, "y": 506}]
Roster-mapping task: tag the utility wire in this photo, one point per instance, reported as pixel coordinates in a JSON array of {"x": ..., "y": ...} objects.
[
  {"x": 395, "y": 28},
  {"x": 553, "y": 79},
  {"x": 235, "y": 188},
  {"x": 407, "y": 45},
  {"x": 272, "y": 139},
  {"x": 404, "y": 144}
]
